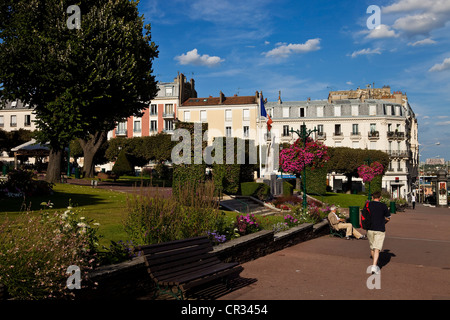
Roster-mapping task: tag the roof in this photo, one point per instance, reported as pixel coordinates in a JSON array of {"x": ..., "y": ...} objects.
[{"x": 212, "y": 101}]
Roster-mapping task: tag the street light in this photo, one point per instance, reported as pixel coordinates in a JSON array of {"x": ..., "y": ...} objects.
[{"x": 303, "y": 134}]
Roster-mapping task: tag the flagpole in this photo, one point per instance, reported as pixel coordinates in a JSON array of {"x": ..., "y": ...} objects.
[{"x": 259, "y": 133}]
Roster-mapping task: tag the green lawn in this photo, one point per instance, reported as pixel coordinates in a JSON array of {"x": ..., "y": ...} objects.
[
  {"x": 104, "y": 206},
  {"x": 343, "y": 200}
]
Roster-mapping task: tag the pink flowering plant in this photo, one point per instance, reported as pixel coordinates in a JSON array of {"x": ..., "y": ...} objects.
[
  {"x": 367, "y": 173},
  {"x": 246, "y": 224},
  {"x": 298, "y": 156}
]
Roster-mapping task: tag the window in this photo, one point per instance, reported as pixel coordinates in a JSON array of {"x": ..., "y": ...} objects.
[
  {"x": 246, "y": 114},
  {"x": 169, "y": 91},
  {"x": 246, "y": 131},
  {"x": 372, "y": 110},
  {"x": 320, "y": 111},
  {"x": 373, "y": 127},
  {"x": 373, "y": 145},
  {"x": 187, "y": 116},
  {"x": 337, "y": 111},
  {"x": 337, "y": 130},
  {"x": 302, "y": 112},
  {"x": 153, "y": 110},
  {"x": 355, "y": 144},
  {"x": 203, "y": 115},
  {"x": 2, "y": 121},
  {"x": 153, "y": 125},
  {"x": 121, "y": 128},
  {"x": 168, "y": 125},
  {"x": 137, "y": 126},
  {"x": 320, "y": 129},
  {"x": 228, "y": 132},
  {"x": 285, "y": 112},
  {"x": 355, "y": 129},
  {"x": 355, "y": 111},
  {"x": 285, "y": 131},
  {"x": 13, "y": 121},
  {"x": 27, "y": 121},
  {"x": 228, "y": 114},
  {"x": 168, "y": 109}
]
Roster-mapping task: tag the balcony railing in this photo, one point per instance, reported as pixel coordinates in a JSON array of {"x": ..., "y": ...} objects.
[
  {"x": 121, "y": 132},
  {"x": 373, "y": 135},
  {"x": 169, "y": 114},
  {"x": 395, "y": 135}
]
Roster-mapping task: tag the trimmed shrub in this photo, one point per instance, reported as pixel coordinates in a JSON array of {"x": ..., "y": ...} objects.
[
  {"x": 123, "y": 166},
  {"x": 255, "y": 189}
]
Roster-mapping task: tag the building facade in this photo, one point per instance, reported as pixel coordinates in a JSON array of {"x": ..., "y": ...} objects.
[
  {"x": 234, "y": 116},
  {"x": 15, "y": 115},
  {"x": 365, "y": 119},
  {"x": 161, "y": 112}
]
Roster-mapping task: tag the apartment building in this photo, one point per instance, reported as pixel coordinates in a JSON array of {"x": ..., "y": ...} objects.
[
  {"x": 364, "y": 119},
  {"x": 15, "y": 115},
  {"x": 161, "y": 112},
  {"x": 234, "y": 116}
]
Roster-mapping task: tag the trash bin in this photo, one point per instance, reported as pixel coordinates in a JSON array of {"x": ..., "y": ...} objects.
[
  {"x": 354, "y": 216},
  {"x": 393, "y": 207},
  {"x": 77, "y": 173},
  {"x": 4, "y": 170}
]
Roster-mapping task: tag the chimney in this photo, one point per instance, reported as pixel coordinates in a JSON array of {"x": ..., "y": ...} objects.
[
  {"x": 221, "y": 98},
  {"x": 279, "y": 97}
]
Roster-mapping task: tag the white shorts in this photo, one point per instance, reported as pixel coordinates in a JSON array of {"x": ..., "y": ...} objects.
[{"x": 376, "y": 239}]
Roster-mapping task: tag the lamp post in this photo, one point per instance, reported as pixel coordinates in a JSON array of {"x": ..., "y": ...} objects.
[{"x": 303, "y": 134}]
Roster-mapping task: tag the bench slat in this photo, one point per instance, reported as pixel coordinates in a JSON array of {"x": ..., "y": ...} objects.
[
  {"x": 200, "y": 273},
  {"x": 234, "y": 271},
  {"x": 160, "y": 247},
  {"x": 181, "y": 272}
]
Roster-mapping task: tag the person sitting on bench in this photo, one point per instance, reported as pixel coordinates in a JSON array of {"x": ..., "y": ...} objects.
[{"x": 339, "y": 224}]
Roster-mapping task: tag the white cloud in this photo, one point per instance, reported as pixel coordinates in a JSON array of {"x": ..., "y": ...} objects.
[
  {"x": 443, "y": 123},
  {"x": 423, "y": 16},
  {"x": 365, "y": 52},
  {"x": 192, "y": 57},
  {"x": 423, "y": 42},
  {"x": 382, "y": 31},
  {"x": 284, "y": 50},
  {"x": 441, "y": 66}
]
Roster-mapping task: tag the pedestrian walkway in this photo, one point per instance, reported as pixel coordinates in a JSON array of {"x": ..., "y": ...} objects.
[{"x": 415, "y": 264}]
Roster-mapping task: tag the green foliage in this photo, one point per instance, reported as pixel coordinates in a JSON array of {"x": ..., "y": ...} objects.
[
  {"x": 287, "y": 188},
  {"x": 159, "y": 219},
  {"x": 122, "y": 165},
  {"x": 24, "y": 182},
  {"x": 258, "y": 190},
  {"x": 316, "y": 180},
  {"x": 35, "y": 252}
]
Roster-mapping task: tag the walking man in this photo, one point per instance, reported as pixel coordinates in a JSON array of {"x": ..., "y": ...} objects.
[
  {"x": 413, "y": 201},
  {"x": 380, "y": 215}
]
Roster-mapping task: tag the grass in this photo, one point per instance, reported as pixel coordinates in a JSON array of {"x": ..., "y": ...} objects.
[
  {"x": 104, "y": 206},
  {"x": 343, "y": 200}
]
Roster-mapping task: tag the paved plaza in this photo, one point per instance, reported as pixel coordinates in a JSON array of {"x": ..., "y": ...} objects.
[{"x": 415, "y": 264}]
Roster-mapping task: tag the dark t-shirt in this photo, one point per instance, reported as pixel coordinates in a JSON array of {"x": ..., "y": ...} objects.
[{"x": 378, "y": 211}]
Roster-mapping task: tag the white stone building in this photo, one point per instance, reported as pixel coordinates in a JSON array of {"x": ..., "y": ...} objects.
[{"x": 365, "y": 119}]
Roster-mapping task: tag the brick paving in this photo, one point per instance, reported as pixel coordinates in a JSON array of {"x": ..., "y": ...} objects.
[{"x": 415, "y": 264}]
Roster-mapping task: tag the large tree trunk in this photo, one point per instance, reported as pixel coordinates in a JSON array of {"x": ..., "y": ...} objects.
[
  {"x": 54, "y": 166},
  {"x": 90, "y": 148}
]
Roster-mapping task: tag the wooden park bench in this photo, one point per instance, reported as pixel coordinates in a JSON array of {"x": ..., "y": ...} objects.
[
  {"x": 334, "y": 232},
  {"x": 181, "y": 265}
]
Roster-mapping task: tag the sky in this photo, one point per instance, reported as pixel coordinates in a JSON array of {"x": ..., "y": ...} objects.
[{"x": 307, "y": 48}]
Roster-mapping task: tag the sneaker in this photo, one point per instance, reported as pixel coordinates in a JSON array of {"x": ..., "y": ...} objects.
[
  {"x": 375, "y": 270},
  {"x": 363, "y": 237}
]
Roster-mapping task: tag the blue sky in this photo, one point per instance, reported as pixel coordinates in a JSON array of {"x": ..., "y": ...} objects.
[{"x": 306, "y": 48}]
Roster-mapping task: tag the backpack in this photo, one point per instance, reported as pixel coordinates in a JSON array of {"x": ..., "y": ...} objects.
[{"x": 366, "y": 217}]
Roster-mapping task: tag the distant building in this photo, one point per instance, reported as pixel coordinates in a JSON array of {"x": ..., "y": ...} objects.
[
  {"x": 161, "y": 112},
  {"x": 234, "y": 116},
  {"x": 365, "y": 119},
  {"x": 15, "y": 115}
]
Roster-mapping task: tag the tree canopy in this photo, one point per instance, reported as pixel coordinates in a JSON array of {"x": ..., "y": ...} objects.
[{"x": 81, "y": 82}]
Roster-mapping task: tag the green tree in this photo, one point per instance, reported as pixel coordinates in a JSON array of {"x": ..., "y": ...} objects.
[
  {"x": 346, "y": 161},
  {"x": 80, "y": 81}
]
